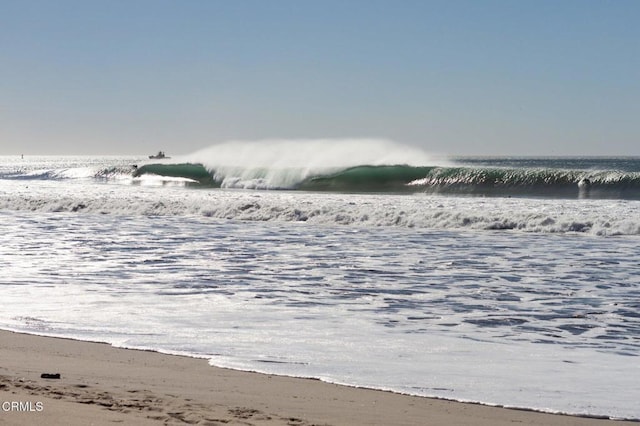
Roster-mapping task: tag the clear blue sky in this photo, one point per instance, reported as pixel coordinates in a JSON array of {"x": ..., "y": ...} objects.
[{"x": 512, "y": 77}]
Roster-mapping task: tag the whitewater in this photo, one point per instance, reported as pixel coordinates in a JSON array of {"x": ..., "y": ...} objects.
[{"x": 489, "y": 291}]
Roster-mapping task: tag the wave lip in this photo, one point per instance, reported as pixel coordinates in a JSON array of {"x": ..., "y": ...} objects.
[
  {"x": 309, "y": 154},
  {"x": 289, "y": 163}
]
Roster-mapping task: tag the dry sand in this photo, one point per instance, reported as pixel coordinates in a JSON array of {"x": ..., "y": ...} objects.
[{"x": 103, "y": 385}]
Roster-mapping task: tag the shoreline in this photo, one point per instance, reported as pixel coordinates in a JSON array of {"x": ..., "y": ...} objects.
[{"x": 101, "y": 384}]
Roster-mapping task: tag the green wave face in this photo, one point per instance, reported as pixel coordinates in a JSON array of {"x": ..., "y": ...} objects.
[
  {"x": 480, "y": 181},
  {"x": 366, "y": 179}
]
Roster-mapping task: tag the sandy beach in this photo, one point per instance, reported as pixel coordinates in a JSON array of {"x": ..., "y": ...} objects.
[{"x": 103, "y": 385}]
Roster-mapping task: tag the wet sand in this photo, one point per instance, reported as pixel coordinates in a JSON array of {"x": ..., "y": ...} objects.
[{"x": 103, "y": 385}]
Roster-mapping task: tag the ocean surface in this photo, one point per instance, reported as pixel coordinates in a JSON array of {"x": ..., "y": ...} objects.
[{"x": 505, "y": 281}]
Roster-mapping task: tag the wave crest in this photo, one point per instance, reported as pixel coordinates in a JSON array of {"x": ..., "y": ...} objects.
[{"x": 285, "y": 163}]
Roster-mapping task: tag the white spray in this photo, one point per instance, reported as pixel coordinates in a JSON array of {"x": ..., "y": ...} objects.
[{"x": 281, "y": 163}]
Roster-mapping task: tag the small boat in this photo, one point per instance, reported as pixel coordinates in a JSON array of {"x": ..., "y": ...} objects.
[{"x": 160, "y": 155}]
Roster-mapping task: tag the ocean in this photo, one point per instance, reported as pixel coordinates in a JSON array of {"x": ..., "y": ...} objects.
[{"x": 505, "y": 281}]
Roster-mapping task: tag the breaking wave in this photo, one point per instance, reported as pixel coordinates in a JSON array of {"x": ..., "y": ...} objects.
[
  {"x": 370, "y": 165},
  {"x": 551, "y": 183}
]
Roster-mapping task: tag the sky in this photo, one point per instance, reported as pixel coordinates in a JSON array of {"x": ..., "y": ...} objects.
[{"x": 456, "y": 77}]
